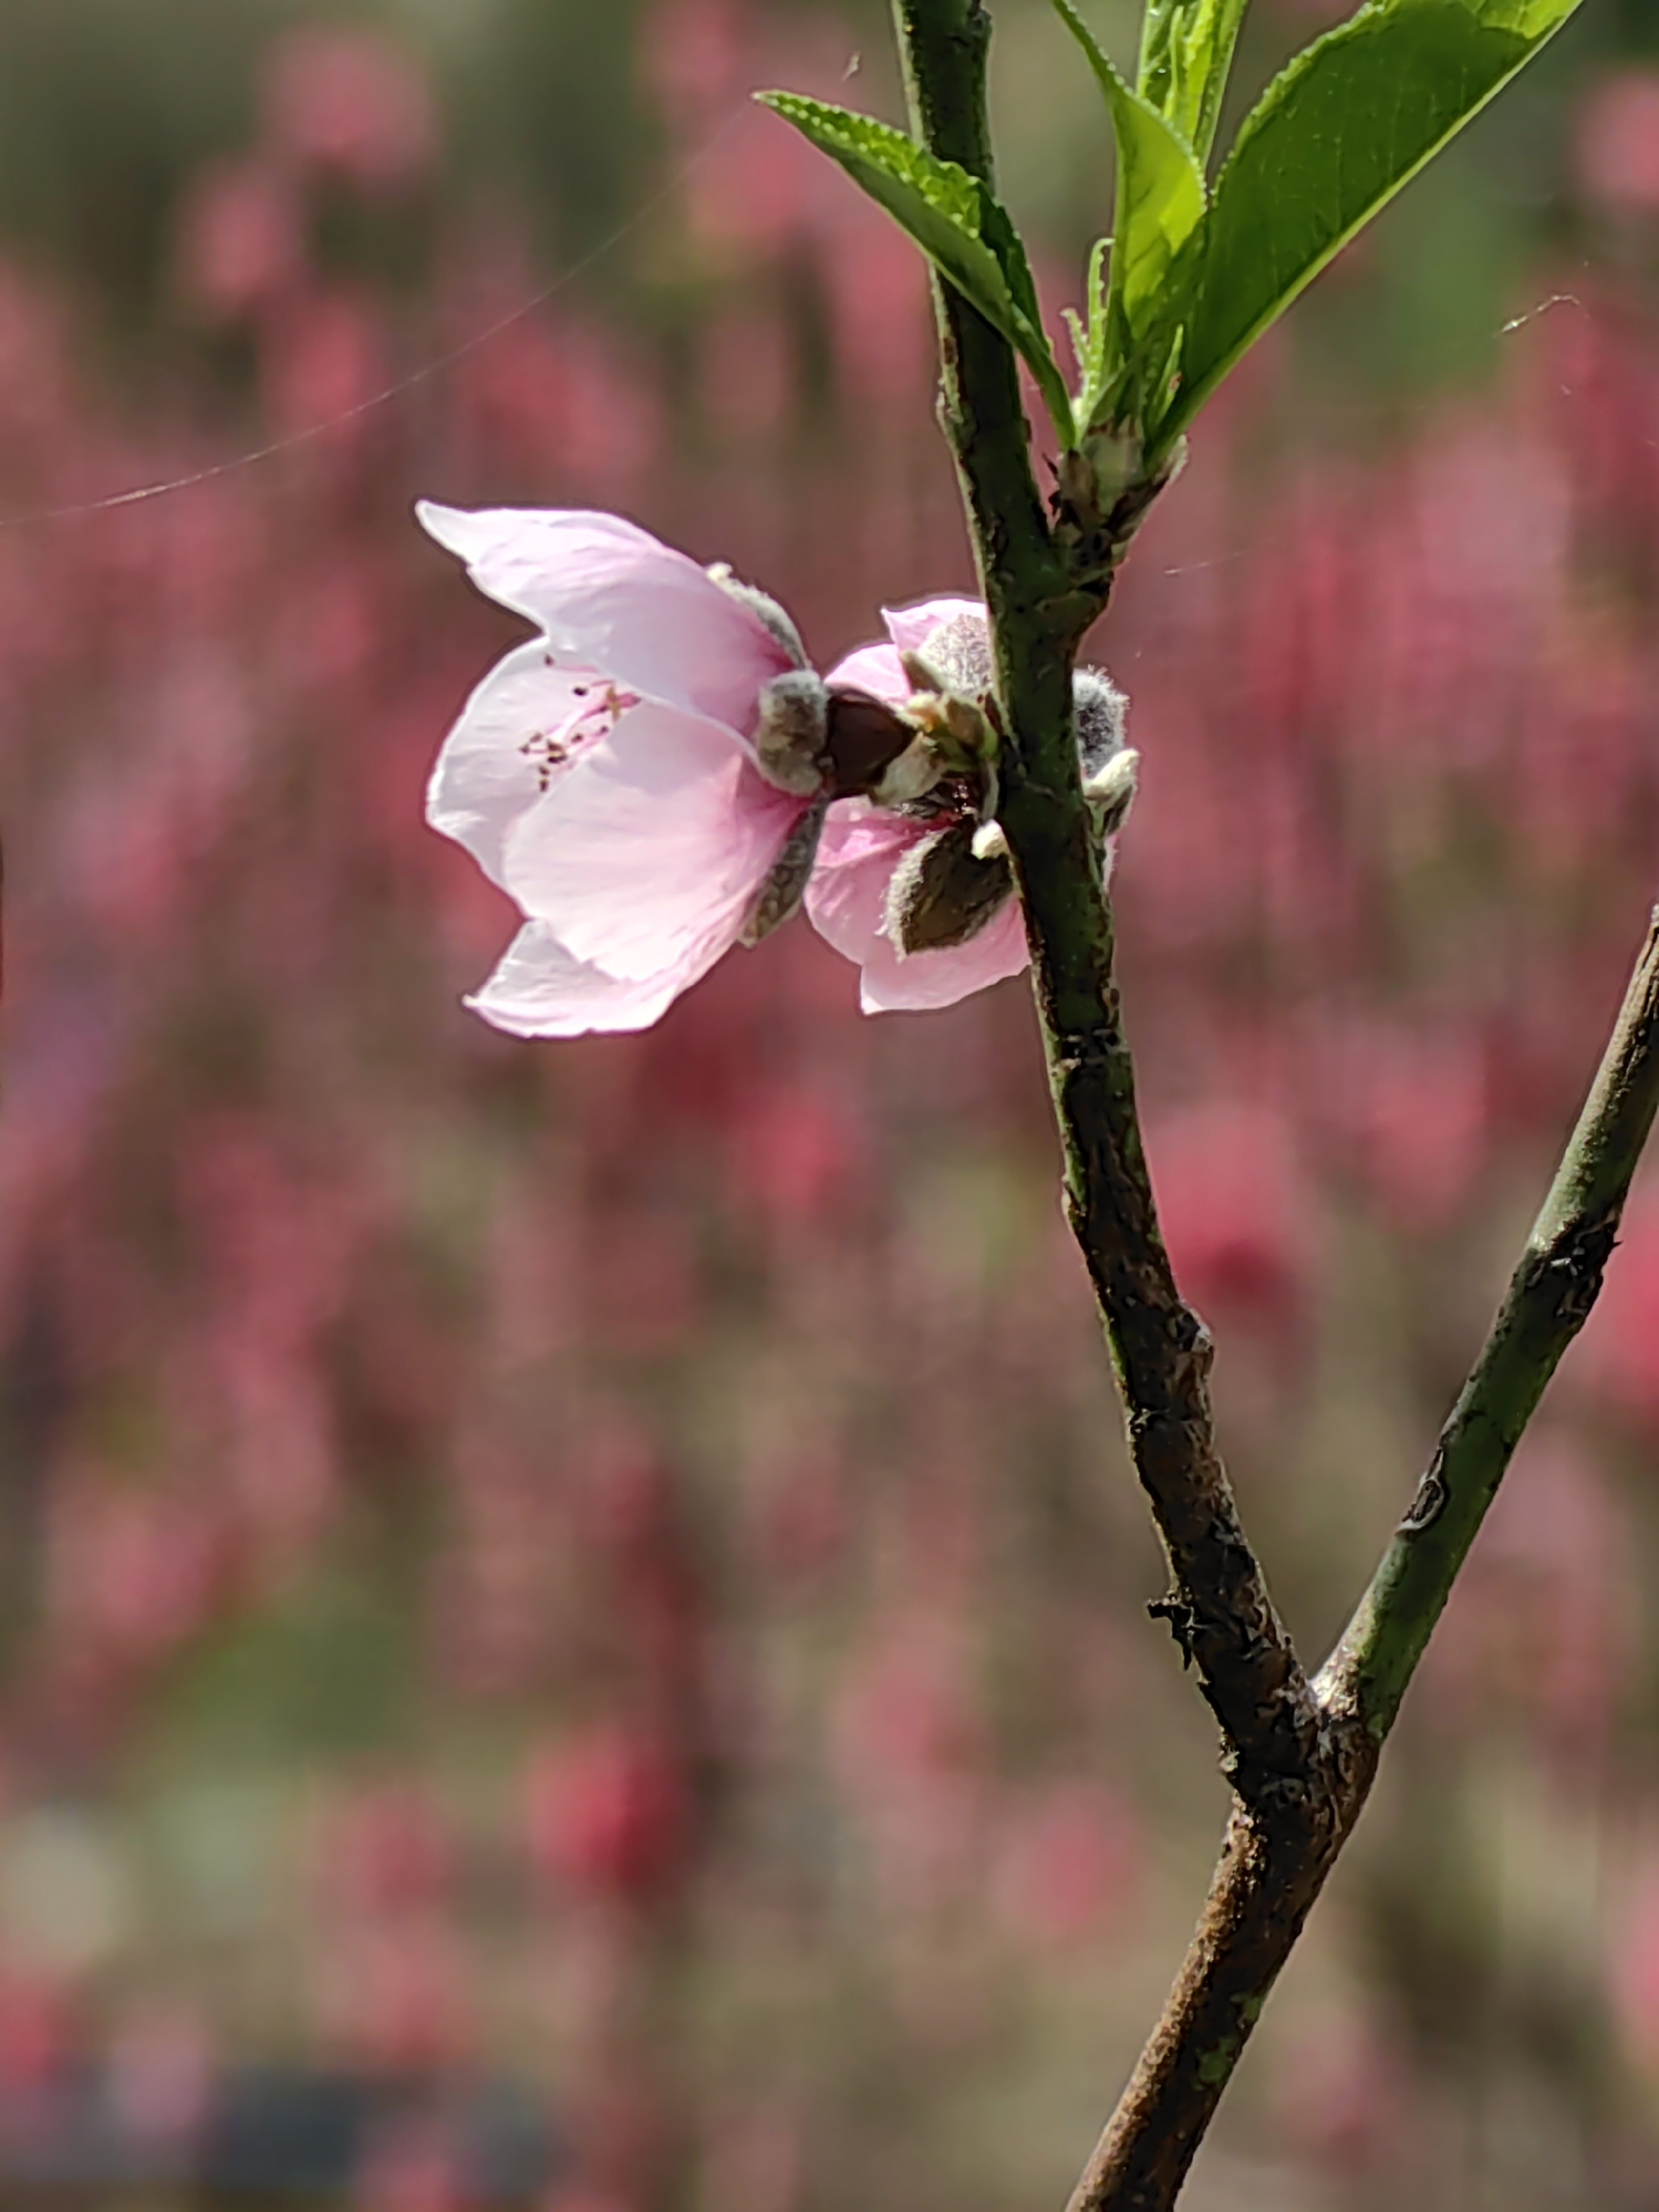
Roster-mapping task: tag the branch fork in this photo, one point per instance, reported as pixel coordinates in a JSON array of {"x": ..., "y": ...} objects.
[{"x": 1301, "y": 1753}]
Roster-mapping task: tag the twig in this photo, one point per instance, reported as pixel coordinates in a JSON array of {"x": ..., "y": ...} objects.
[
  {"x": 1218, "y": 1604},
  {"x": 1549, "y": 1298},
  {"x": 1275, "y": 1859}
]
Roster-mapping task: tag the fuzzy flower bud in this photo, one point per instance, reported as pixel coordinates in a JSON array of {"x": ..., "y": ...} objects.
[{"x": 914, "y": 882}]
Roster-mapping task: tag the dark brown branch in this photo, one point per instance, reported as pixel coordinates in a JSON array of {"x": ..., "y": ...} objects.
[
  {"x": 1218, "y": 1606},
  {"x": 1272, "y": 1866}
]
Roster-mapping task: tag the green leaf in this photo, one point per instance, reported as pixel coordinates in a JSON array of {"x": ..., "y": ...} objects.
[
  {"x": 1186, "y": 54},
  {"x": 1350, "y": 121},
  {"x": 953, "y": 216},
  {"x": 1160, "y": 203},
  {"x": 1160, "y": 206},
  {"x": 1089, "y": 336}
]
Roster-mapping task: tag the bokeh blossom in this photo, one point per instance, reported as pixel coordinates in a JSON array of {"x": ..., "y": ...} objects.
[
  {"x": 1616, "y": 144},
  {"x": 368, "y": 1666}
]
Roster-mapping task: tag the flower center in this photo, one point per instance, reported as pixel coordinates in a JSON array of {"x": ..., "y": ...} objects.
[{"x": 600, "y": 705}]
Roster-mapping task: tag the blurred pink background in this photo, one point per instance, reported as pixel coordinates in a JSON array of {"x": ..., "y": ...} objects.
[{"x": 574, "y": 1631}]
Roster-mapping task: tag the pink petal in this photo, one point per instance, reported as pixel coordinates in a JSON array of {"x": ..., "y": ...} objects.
[
  {"x": 520, "y": 728},
  {"x": 889, "y": 984},
  {"x": 657, "y": 838},
  {"x": 608, "y": 596},
  {"x": 848, "y": 896},
  {"x": 540, "y": 990},
  {"x": 910, "y": 628},
  {"x": 874, "y": 669}
]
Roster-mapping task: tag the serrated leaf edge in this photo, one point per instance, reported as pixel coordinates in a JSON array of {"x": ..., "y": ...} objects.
[{"x": 1027, "y": 336}]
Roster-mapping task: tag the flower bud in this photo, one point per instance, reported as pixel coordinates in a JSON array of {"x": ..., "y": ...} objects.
[
  {"x": 942, "y": 893},
  {"x": 791, "y": 734},
  {"x": 863, "y": 737},
  {"x": 1099, "y": 707}
]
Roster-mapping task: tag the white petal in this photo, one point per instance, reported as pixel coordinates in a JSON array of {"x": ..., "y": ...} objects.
[
  {"x": 503, "y": 752},
  {"x": 609, "y": 596},
  {"x": 541, "y": 989},
  {"x": 658, "y": 837}
]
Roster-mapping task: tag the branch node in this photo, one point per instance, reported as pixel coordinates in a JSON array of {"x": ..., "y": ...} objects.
[
  {"x": 1431, "y": 1498},
  {"x": 1182, "y": 1619},
  {"x": 1577, "y": 1262}
]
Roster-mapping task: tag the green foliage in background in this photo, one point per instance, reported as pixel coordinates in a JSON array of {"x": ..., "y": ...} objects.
[{"x": 105, "y": 108}]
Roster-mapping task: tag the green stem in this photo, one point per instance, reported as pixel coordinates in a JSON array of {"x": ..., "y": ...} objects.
[
  {"x": 1550, "y": 1295},
  {"x": 1218, "y": 1604}
]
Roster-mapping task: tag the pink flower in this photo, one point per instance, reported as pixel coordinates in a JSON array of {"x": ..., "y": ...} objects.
[
  {"x": 240, "y": 240},
  {"x": 921, "y": 895},
  {"x": 351, "y": 102},
  {"x": 654, "y": 778},
  {"x": 1236, "y": 1213},
  {"x": 1616, "y": 146},
  {"x": 633, "y": 777},
  {"x": 607, "y": 1813},
  {"x": 1069, "y": 1854}
]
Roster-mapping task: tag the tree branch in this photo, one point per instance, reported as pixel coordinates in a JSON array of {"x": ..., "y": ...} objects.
[
  {"x": 1301, "y": 1757},
  {"x": 1272, "y": 1866},
  {"x": 1549, "y": 1298},
  {"x": 1275, "y": 1859},
  {"x": 1218, "y": 1604}
]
